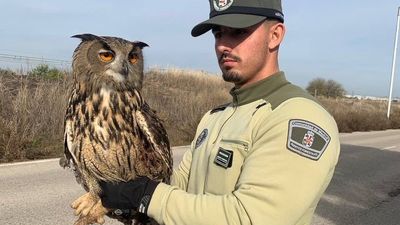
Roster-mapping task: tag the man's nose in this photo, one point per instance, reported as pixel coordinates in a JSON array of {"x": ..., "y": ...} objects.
[{"x": 223, "y": 44}]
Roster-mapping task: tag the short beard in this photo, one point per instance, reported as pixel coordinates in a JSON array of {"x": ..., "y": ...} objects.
[{"x": 231, "y": 76}]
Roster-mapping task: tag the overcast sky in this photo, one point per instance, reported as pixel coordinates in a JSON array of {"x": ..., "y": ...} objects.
[{"x": 350, "y": 41}]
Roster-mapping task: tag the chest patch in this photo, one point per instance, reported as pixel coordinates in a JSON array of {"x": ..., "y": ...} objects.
[
  {"x": 200, "y": 139},
  {"x": 224, "y": 158},
  {"x": 307, "y": 139}
]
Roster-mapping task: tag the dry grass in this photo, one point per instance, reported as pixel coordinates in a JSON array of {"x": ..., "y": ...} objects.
[
  {"x": 32, "y": 110},
  {"x": 181, "y": 97},
  {"x": 362, "y": 115},
  {"x": 31, "y": 117}
]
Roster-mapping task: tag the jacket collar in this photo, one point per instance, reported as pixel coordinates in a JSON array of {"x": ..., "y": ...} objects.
[{"x": 258, "y": 90}]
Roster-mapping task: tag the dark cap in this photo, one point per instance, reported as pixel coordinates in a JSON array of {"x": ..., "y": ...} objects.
[{"x": 239, "y": 14}]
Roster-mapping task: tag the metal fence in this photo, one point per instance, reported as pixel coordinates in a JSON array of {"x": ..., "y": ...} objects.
[{"x": 24, "y": 64}]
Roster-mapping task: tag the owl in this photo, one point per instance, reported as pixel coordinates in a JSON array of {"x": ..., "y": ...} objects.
[{"x": 111, "y": 133}]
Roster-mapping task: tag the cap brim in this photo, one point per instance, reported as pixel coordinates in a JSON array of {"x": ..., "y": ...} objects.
[{"x": 227, "y": 20}]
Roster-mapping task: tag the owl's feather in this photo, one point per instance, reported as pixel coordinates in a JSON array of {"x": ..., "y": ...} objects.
[{"x": 116, "y": 137}]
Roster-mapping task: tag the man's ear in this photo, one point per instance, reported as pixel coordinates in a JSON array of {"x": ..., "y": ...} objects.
[{"x": 276, "y": 34}]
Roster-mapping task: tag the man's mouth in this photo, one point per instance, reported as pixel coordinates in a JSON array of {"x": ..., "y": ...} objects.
[{"x": 227, "y": 58}]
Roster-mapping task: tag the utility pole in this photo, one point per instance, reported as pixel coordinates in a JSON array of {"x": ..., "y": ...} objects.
[{"x": 393, "y": 63}]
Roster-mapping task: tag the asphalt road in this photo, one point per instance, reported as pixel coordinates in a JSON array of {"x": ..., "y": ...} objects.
[
  {"x": 40, "y": 192},
  {"x": 364, "y": 189},
  {"x": 367, "y": 175}
]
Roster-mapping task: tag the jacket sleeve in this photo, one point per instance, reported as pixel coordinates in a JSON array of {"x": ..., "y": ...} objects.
[
  {"x": 276, "y": 186},
  {"x": 180, "y": 175}
]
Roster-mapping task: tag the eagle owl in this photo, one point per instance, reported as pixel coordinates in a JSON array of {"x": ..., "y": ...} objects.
[{"x": 111, "y": 134}]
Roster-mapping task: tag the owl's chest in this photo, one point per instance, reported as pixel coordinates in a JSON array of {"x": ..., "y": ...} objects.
[{"x": 106, "y": 117}]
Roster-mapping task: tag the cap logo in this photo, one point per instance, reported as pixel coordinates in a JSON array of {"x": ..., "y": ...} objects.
[
  {"x": 278, "y": 14},
  {"x": 221, "y": 5}
]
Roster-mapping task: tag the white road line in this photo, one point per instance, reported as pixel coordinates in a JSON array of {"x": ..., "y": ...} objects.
[
  {"x": 29, "y": 162},
  {"x": 183, "y": 147},
  {"x": 391, "y": 147}
]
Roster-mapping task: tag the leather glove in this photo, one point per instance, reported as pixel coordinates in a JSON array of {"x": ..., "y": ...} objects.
[{"x": 135, "y": 194}]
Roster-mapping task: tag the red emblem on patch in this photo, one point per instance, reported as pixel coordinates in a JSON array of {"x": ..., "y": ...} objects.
[
  {"x": 223, "y": 3},
  {"x": 308, "y": 139}
]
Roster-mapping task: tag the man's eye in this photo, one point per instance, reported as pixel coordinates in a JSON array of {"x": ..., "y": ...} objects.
[
  {"x": 238, "y": 32},
  {"x": 217, "y": 34}
]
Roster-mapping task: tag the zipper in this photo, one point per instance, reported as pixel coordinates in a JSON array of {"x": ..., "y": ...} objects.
[
  {"x": 220, "y": 129},
  {"x": 235, "y": 106},
  {"x": 213, "y": 143}
]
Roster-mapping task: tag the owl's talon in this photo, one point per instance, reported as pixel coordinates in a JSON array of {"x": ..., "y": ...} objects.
[
  {"x": 100, "y": 221},
  {"x": 80, "y": 208},
  {"x": 95, "y": 215},
  {"x": 85, "y": 211},
  {"x": 84, "y": 204}
]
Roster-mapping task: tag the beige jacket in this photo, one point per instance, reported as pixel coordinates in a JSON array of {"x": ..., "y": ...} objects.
[{"x": 264, "y": 159}]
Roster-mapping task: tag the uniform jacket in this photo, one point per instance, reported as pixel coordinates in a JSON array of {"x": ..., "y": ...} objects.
[{"x": 264, "y": 159}]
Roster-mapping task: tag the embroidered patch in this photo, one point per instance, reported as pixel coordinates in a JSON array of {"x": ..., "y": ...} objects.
[
  {"x": 307, "y": 139},
  {"x": 224, "y": 158},
  {"x": 221, "y": 5},
  {"x": 200, "y": 139}
]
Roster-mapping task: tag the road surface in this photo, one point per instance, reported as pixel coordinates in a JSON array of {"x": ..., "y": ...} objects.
[
  {"x": 364, "y": 189},
  {"x": 367, "y": 175}
]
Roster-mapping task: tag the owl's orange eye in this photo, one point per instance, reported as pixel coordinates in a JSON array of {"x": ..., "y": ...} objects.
[
  {"x": 106, "y": 56},
  {"x": 133, "y": 59}
]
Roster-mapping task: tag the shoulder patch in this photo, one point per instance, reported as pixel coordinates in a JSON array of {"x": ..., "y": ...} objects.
[
  {"x": 219, "y": 108},
  {"x": 307, "y": 139},
  {"x": 200, "y": 139}
]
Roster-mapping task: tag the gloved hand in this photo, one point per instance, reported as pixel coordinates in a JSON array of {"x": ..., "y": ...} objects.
[{"x": 135, "y": 194}]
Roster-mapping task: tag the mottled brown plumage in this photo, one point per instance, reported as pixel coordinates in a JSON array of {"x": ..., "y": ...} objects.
[{"x": 111, "y": 133}]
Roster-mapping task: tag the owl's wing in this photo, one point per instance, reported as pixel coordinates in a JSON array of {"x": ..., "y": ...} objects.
[
  {"x": 68, "y": 156},
  {"x": 65, "y": 160},
  {"x": 155, "y": 135},
  {"x": 69, "y": 159}
]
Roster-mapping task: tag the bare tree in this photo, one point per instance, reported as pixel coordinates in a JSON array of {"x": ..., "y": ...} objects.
[{"x": 321, "y": 87}]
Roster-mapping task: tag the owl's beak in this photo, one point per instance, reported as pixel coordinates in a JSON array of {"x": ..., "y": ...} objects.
[{"x": 124, "y": 69}]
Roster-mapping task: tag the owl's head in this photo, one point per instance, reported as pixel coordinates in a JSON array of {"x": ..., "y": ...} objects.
[{"x": 112, "y": 62}]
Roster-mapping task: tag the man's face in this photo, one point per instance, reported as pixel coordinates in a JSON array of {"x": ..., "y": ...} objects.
[{"x": 242, "y": 53}]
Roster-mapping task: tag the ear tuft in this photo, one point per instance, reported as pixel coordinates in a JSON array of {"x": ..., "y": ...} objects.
[
  {"x": 86, "y": 37},
  {"x": 140, "y": 44}
]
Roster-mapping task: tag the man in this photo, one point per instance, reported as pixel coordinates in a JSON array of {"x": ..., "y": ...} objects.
[{"x": 266, "y": 157}]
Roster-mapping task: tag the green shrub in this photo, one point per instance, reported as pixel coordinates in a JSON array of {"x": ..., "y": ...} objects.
[{"x": 44, "y": 71}]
